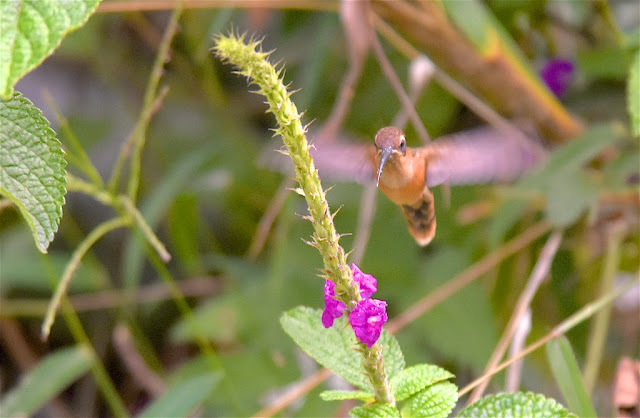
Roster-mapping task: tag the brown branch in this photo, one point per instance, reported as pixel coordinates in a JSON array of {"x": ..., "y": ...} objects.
[
  {"x": 134, "y": 362},
  {"x": 492, "y": 74},
  {"x": 538, "y": 274},
  {"x": 158, "y": 5}
]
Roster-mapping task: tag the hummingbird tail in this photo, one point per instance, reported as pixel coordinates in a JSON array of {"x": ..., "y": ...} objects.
[{"x": 421, "y": 218}]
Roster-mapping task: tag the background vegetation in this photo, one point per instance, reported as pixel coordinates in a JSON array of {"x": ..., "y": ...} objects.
[{"x": 235, "y": 234}]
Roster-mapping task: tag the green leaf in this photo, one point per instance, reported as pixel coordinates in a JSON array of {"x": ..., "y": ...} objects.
[
  {"x": 182, "y": 398},
  {"x": 413, "y": 379},
  {"x": 633, "y": 95},
  {"x": 436, "y": 401},
  {"x": 569, "y": 196},
  {"x": 392, "y": 354},
  {"x": 572, "y": 156},
  {"x": 567, "y": 373},
  {"x": 32, "y": 166},
  {"x": 334, "y": 347},
  {"x": 340, "y": 395},
  {"x": 50, "y": 377},
  {"x": 31, "y": 30},
  {"x": 517, "y": 404},
  {"x": 374, "y": 411},
  {"x": 608, "y": 63}
]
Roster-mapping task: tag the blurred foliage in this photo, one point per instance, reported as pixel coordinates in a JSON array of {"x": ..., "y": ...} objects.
[{"x": 204, "y": 192}]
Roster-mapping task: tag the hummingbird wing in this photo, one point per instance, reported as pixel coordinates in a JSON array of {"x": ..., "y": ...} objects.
[
  {"x": 335, "y": 161},
  {"x": 343, "y": 162},
  {"x": 480, "y": 155}
]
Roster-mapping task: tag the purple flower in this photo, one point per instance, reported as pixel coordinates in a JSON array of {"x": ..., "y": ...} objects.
[
  {"x": 556, "y": 74},
  {"x": 366, "y": 282},
  {"x": 332, "y": 307},
  {"x": 367, "y": 319}
]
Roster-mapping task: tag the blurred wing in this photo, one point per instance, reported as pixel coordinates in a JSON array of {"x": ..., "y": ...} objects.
[
  {"x": 345, "y": 162},
  {"x": 481, "y": 155},
  {"x": 335, "y": 161}
]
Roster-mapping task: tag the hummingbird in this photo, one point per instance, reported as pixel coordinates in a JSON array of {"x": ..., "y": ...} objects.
[{"x": 405, "y": 174}]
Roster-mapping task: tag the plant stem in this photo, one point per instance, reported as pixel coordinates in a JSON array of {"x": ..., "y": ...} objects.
[
  {"x": 253, "y": 64},
  {"x": 73, "y": 265},
  {"x": 600, "y": 325}
]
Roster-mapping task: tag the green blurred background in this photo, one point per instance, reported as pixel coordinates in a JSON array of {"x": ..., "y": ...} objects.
[{"x": 204, "y": 192}]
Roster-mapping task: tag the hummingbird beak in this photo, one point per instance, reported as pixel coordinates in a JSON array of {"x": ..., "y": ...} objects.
[{"x": 384, "y": 156}]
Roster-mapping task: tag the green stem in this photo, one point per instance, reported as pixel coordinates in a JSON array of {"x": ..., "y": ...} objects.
[
  {"x": 122, "y": 204},
  {"x": 135, "y": 142},
  {"x": 80, "y": 157},
  {"x": 253, "y": 63},
  {"x": 203, "y": 343},
  {"x": 151, "y": 237},
  {"x": 73, "y": 265},
  {"x": 97, "y": 368},
  {"x": 598, "y": 333},
  {"x": 150, "y": 99}
]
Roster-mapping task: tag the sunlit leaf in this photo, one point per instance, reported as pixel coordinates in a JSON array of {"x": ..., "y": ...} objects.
[
  {"x": 31, "y": 30},
  {"x": 50, "y": 377},
  {"x": 334, "y": 347},
  {"x": 32, "y": 167},
  {"x": 436, "y": 401},
  {"x": 414, "y": 379},
  {"x": 515, "y": 405},
  {"x": 375, "y": 411},
  {"x": 340, "y": 395}
]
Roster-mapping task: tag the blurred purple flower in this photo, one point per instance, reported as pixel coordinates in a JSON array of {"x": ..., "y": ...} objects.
[
  {"x": 366, "y": 282},
  {"x": 367, "y": 319},
  {"x": 557, "y": 75},
  {"x": 332, "y": 307}
]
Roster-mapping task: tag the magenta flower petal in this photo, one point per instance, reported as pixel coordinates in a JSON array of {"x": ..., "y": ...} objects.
[
  {"x": 332, "y": 307},
  {"x": 557, "y": 75},
  {"x": 367, "y": 283},
  {"x": 367, "y": 319}
]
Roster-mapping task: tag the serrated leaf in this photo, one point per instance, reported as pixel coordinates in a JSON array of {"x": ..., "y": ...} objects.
[
  {"x": 392, "y": 354},
  {"x": 375, "y": 411},
  {"x": 182, "y": 398},
  {"x": 32, "y": 166},
  {"x": 413, "y": 379},
  {"x": 517, "y": 404},
  {"x": 569, "y": 196},
  {"x": 340, "y": 395},
  {"x": 334, "y": 347},
  {"x": 567, "y": 374},
  {"x": 31, "y": 30},
  {"x": 436, "y": 401},
  {"x": 50, "y": 377},
  {"x": 633, "y": 95}
]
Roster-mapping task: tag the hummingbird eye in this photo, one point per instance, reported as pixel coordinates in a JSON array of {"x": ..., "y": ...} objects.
[{"x": 403, "y": 144}]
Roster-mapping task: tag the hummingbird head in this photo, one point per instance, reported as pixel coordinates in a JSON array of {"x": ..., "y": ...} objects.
[{"x": 389, "y": 141}]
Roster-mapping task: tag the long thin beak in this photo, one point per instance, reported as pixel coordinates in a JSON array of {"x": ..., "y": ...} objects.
[{"x": 384, "y": 156}]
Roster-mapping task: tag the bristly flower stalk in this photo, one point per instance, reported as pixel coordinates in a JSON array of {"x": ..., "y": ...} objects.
[{"x": 252, "y": 62}]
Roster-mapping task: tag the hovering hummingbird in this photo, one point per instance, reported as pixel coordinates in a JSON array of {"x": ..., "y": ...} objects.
[{"x": 405, "y": 174}]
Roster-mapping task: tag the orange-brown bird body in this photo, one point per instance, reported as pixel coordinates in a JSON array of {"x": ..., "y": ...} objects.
[{"x": 405, "y": 174}]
